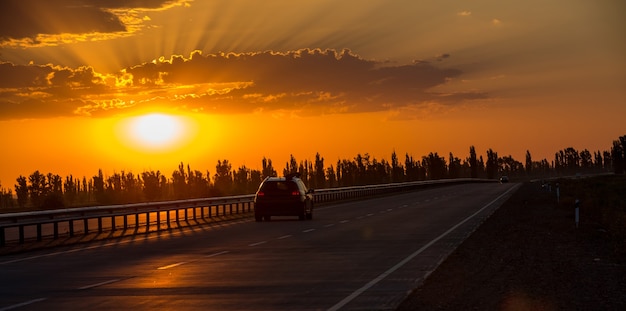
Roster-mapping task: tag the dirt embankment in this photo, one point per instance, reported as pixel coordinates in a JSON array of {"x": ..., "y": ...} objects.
[{"x": 529, "y": 255}]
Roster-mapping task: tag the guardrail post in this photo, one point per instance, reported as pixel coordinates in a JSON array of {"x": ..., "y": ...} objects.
[
  {"x": 125, "y": 222},
  {"x": 194, "y": 213},
  {"x": 39, "y": 238},
  {"x": 186, "y": 215},
  {"x": 147, "y": 221},
  {"x": 167, "y": 219},
  {"x": 55, "y": 226},
  {"x": 86, "y": 225},
  {"x": 113, "y": 223},
  {"x": 99, "y": 224},
  {"x": 159, "y": 219},
  {"x": 177, "y": 216},
  {"x": 71, "y": 225},
  {"x": 21, "y": 232},
  {"x": 2, "y": 242}
]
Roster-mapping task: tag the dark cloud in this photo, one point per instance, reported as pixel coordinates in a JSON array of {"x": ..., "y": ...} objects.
[
  {"x": 308, "y": 80},
  {"x": 26, "y": 19}
]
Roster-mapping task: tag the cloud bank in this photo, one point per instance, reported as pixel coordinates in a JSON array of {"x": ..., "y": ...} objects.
[
  {"x": 27, "y": 23},
  {"x": 307, "y": 81}
]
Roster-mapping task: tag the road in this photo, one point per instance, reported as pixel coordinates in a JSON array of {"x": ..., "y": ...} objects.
[{"x": 352, "y": 256}]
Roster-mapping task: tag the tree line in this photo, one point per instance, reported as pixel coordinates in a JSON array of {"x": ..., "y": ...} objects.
[{"x": 48, "y": 191}]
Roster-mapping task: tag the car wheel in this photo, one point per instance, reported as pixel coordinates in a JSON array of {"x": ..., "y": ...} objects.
[{"x": 309, "y": 215}]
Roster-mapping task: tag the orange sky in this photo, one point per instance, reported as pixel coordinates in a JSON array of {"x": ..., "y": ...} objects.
[{"x": 243, "y": 80}]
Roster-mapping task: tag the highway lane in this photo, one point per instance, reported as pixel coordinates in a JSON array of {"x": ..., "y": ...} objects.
[{"x": 356, "y": 255}]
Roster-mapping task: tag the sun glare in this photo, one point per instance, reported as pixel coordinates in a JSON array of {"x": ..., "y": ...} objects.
[
  {"x": 155, "y": 132},
  {"x": 156, "y": 129}
]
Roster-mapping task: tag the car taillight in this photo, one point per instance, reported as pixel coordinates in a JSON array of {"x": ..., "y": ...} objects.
[
  {"x": 260, "y": 194},
  {"x": 295, "y": 192}
]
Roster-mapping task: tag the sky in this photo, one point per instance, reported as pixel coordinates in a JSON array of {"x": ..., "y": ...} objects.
[{"x": 146, "y": 84}]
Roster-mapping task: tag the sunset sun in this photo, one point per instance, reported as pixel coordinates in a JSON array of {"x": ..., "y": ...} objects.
[{"x": 156, "y": 129}]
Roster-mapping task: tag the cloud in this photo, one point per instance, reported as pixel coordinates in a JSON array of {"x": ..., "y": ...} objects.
[
  {"x": 36, "y": 23},
  {"x": 310, "y": 81}
]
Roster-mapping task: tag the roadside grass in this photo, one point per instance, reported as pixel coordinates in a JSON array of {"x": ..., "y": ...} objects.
[{"x": 602, "y": 203}]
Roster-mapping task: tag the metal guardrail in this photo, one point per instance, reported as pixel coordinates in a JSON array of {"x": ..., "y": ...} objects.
[{"x": 78, "y": 220}]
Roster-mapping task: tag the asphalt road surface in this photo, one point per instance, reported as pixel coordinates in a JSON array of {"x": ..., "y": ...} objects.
[{"x": 359, "y": 255}]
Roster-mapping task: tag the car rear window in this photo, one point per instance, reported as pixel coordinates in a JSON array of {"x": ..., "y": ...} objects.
[{"x": 278, "y": 187}]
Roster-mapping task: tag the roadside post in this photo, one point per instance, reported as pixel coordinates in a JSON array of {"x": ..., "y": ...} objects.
[
  {"x": 558, "y": 194},
  {"x": 577, "y": 212}
]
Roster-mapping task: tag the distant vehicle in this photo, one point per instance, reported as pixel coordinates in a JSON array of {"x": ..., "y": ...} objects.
[
  {"x": 504, "y": 179},
  {"x": 283, "y": 196}
]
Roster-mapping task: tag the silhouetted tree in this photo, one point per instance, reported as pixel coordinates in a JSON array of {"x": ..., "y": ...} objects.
[
  {"x": 70, "y": 189},
  {"x": 179, "y": 182},
  {"x": 303, "y": 170},
  {"x": 268, "y": 169},
  {"x": 618, "y": 155},
  {"x": 492, "y": 164},
  {"x": 319, "y": 173},
  {"x": 412, "y": 168},
  {"x": 586, "y": 161},
  {"x": 152, "y": 182},
  {"x": 572, "y": 159},
  {"x": 37, "y": 188},
  {"x": 454, "y": 166},
  {"x": 240, "y": 180},
  {"x": 6, "y": 198},
  {"x": 435, "y": 166},
  {"x": 510, "y": 166},
  {"x": 397, "y": 171},
  {"x": 21, "y": 190},
  {"x": 331, "y": 177},
  {"x": 255, "y": 181},
  {"x": 598, "y": 160},
  {"x": 291, "y": 167},
  {"x": 529, "y": 163},
  {"x": 132, "y": 187},
  {"x": 607, "y": 160},
  {"x": 223, "y": 179},
  {"x": 473, "y": 162},
  {"x": 98, "y": 188}
]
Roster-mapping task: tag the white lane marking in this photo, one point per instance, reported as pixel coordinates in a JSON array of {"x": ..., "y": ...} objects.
[
  {"x": 371, "y": 283},
  {"x": 172, "y": 265},
  {"x": 99, "y": 284},
  {"x": 390, "y": 209},
  {"x": 343, "y": 221},
  {"x": 360, "y": 217},
  {"x": 19, "y": 305},
  {"x": 308, "y": 230},
  {"x": 369, "y": 215},
  {"x": 216, "y": 254},
  {"x": 285, "y": 236},
  {"x": 329, "y": 225},
  {"x": 257, "y": 243}
]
